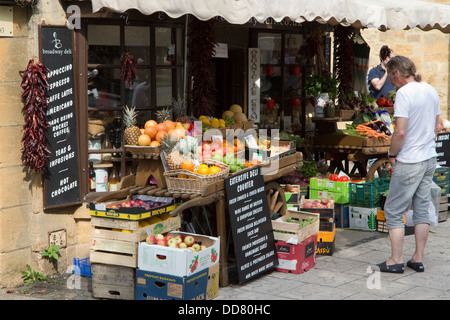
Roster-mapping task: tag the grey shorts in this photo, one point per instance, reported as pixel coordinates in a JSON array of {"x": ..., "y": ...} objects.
[{"x": 410, "y": 183}]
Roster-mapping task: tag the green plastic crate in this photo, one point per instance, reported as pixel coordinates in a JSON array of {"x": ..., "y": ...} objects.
[
  {"x": 367, "y": 194},
  {"x": 341, "y": 198}
]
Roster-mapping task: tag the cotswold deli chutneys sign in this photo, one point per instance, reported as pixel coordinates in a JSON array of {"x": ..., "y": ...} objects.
[
  {"x": 254, "y": 244},
  {"x": 62, "y": 181}
]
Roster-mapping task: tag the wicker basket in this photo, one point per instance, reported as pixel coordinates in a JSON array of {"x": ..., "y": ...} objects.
[
  {"x": 344, "y": 114},
  {"x": 194, "y": 182},
  {"x": 141, "y": 152}
]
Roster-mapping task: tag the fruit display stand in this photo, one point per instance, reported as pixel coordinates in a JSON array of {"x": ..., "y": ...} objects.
[
  {"x": 213, "y": 193},
  {"x": 358, "y": 149}
]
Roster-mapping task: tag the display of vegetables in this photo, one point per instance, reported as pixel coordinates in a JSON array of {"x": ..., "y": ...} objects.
[{"x": 303, "y": 222}]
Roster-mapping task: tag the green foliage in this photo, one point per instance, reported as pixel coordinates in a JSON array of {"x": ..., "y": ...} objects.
[
  {"x": 317, "y": 84},
  {"x": 51, "y": 252},
  {"x": 30, "y": 276}
]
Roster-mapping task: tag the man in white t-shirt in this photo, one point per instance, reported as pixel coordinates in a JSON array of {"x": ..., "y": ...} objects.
[{"x": 413, "y": 158}]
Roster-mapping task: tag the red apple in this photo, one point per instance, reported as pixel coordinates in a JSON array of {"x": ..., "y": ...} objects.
[
  {"x": 161, "y": 242},
  {"x": 206, "y": 146},
  {"x": 189, "y": 240},
  {"x": 214, "y": 146},
  {"x": 168, "y": 237},
  {"x": 151, "y": 240},
  {"x": 207, "y": 154}
]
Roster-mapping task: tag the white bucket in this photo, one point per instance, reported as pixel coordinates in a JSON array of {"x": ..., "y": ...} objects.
[{"x": 101, "y": 179}]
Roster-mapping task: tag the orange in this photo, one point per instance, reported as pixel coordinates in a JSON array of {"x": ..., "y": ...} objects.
[
  {"x": 150, "y": 131},
  {"x": 150, "y": 123},
  {"x": 161, "y": 127},
  {"x": 203, "y": 170},
  {"x": 178, "y": 133},
  {"x": 160, "y": 135},
  {"x": 214, "y": 169},
  {"x": 154, "y": 144},
  {"x": 188, "y": 165},
  {"x": 144, "y": 140},
  {"x": 170, "y": 124}
]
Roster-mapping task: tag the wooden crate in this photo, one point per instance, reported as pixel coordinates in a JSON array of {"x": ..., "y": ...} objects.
[
  {"x": 109, "y": 245},
  {"x": 113, "y": 282}
]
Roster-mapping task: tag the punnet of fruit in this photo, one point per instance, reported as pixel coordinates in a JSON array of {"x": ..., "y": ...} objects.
[{"x": 143, "y": 202}]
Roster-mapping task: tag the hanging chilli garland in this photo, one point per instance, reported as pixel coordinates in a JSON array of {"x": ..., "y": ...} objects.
[
  {"x": 201, "y": 50},
  {"x": 344, "y": 61},
  {"x": 128, "y": 68},
  {"x": 35, "y": 153}
]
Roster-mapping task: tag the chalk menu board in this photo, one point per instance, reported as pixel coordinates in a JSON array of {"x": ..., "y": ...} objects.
[
  {"x": 251, "y": 226},
  {"x": 443, "y": 149},
  {"x": 62, "y": 181}
]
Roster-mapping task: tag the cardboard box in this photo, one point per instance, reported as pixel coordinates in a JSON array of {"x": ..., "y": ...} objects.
[
  {"x": 341, "y": 216},
  {"x": 297, "y": 258},
  {"x": 203, "y": 285},
  {"x": 107, "y": 209},
  {"x": 286, "y": 231},
  {"x": 326, "y": 241},
  {"x": 363, "y": 218},
  {"x": 179, "y": 262}
]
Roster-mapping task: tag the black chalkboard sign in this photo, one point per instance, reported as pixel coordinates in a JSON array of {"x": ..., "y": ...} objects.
[
  {"x": 443, "y": 149},
  {"x": 62, "y": 181},
  {"x": 251, "y": 226}
]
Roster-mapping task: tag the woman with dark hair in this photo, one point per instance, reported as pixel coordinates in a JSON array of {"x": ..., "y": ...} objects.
[{"x": 378, "y": 79}]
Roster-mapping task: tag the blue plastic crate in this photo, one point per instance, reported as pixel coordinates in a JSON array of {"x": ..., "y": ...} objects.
[{"x": 82, "y": 267}]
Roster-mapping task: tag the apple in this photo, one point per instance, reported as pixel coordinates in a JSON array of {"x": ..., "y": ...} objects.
[
  {"x": 214, "y": 146},
  {"x": 202, "y": 247},
  {"x": 192, "y": 249},
  {"x": 161, "y": 242},
  {"x": 189, "y": 240},
  {"x": 159, "y": 236},
  {"x": 196, "y": 247},
  {"x": 179, "y": 239},
  {"x": 172, "y": 243},
  {"x": 182, "y": 245},
  {"x": 151, "y": 240},
  {"x": 206, "y": 146},
  {"x": 168, "y": 237}
]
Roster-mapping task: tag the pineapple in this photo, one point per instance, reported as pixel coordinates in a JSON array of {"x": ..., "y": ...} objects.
[
  {"x": 163, "y": 115},
  {"x": 132, "y": 132},
  {"x": 179, "y": 109},
  {"x": 173, "y": 156}
]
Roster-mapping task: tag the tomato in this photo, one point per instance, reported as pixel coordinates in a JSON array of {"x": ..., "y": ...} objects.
[
  {"x": 343, "y": 178},
  {"x": 334, "y": 177},
  {"x": 381, "y": 101}
]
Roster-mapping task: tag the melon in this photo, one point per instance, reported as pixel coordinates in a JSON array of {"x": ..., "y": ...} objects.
[
  {"x": 240, "y": 116},
  {"x": 235, "y": 108},
  {"x": 228, "y": 113}
]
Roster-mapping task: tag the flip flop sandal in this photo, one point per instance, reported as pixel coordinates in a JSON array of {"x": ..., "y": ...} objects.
[
  {"x": 393, "y": 268},
  {"x": 417, "y": 266}
]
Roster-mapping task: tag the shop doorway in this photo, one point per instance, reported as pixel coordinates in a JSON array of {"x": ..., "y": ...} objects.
[{"x": 229, "y": 80}]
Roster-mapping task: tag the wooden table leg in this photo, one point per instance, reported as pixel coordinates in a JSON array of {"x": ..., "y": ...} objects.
[{"x": 222, "y": 233}]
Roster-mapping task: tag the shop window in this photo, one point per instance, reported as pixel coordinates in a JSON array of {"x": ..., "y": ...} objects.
[
  {"x": 159, "y": 54},
  {"x": 281, "y": 78}
]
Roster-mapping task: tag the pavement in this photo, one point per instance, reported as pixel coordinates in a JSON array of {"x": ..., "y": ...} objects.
[{"x": 343, "y": 276}]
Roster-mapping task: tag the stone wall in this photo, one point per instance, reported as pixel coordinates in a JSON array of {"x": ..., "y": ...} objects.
[
  {"x": 430, "y": 51},
  {"x": 24, "y": 227}
]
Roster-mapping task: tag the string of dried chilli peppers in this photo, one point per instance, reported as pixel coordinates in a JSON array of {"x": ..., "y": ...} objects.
[
  {"x": 35, "y": 153},
  {"x": 128, "y": 68}
]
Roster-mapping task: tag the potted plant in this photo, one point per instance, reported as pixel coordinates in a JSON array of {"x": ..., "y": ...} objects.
[{"x": 324, "y": 90}]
